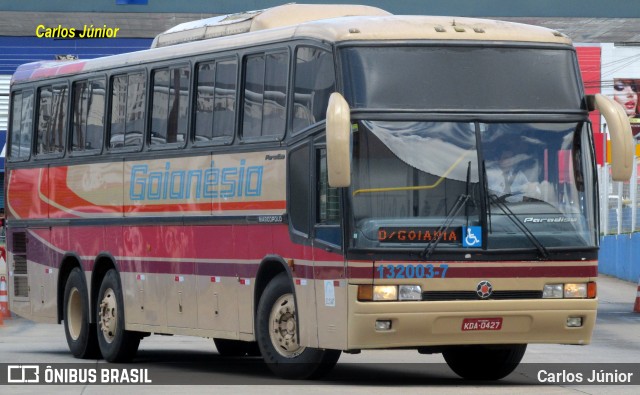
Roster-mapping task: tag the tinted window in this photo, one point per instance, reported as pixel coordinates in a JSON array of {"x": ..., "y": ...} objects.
[
  {"x": 21, "y": 124},
  {"x": 265, "y": 95},
  {"x": 224, "y": 109},
  {"x": 127, "y": 110},
  {"x": 216, "y": 100},
  {"x": 169, "y": 115},
  {"x": 300, "y": 177},
  {"x": 328, "y": 198},
  {"x": 444, "y": 78},
  {"x": 253, "y": 97},
  {"x": 88, "y": 115},
  {"x": 275, "y": 94},
  {"x": 314, "y": 83},
  {"x": 52, "y": 116}
]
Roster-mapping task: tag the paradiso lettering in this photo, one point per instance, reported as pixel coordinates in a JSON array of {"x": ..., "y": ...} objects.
[{"x": 210, "y": 183}]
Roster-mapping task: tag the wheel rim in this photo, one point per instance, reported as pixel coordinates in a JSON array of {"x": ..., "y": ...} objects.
[
  {"x": 74, "y": 314},
  {"x": 283, "y": 330},
  {"x": 108, "y": 315}
]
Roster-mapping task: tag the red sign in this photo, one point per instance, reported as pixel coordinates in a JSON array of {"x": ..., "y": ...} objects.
[{"x": 482, "y": 324}]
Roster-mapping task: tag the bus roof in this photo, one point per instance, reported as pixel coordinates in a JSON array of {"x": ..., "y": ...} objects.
[{"x": 330, "y": 23}]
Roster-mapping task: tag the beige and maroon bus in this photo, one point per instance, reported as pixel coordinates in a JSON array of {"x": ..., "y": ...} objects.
[{"x": 309, "y": 180}]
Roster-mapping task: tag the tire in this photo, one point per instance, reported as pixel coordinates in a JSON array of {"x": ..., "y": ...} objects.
[
  {"x": 80, "y": 333},
  {"x": 276, "y": 332},
  {"x": 236, "y": 348},
  {"x": 116, "y": 343},
  {"x": 484, "y": 362}
]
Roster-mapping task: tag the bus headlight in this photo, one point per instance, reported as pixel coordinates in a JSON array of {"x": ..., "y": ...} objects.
[
  {"x": 382, "y": 293},
  {"x": 575, "y": 290},
  {"x": 570, "y": 291},
  {"x": 385, "y": 292},
  {"x": 552, "y": 291},
  {"x": 410, "y": 292}
]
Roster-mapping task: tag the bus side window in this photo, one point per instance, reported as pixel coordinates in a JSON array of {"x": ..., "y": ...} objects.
[
  {"x": 52, "y": 118},
  {"x": 169, "y": 110},
  {"x": 87, "y": 128},
  {"x": 327, "y": 226},
  {"x": 215, "y": 113},
  {"x": 314, "y": 83},
  {"x": 21, "y": 125},
  {"x": 265, "y": 95},
  {"x": 127, "y": 110}
]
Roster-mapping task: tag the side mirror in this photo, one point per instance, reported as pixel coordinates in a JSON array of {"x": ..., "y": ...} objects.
[
  {"x": 621, "y": 138},
  {"x": 338, "y": 141}
]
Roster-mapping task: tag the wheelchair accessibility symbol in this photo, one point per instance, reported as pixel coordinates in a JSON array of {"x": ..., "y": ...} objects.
[{"x": 472, "y": 236}]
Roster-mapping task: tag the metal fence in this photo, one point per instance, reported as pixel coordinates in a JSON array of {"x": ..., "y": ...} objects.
[{"x": 619, "y": 202}]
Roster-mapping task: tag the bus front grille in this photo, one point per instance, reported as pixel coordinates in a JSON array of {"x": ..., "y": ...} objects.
[{"x": 472, "y": 295}]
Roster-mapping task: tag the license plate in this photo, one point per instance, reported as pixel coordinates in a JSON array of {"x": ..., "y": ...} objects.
[{"x": 482, "y": 324}]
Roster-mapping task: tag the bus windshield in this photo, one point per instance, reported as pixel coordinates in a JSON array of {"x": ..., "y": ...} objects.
[{"x": 515, "y": 184}]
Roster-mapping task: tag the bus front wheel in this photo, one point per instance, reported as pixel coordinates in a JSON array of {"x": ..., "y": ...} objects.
[
  {"x": 80, "y": 333},
  {"x": 116, "y": 343},
  {"x": 480, "y": 362},
  {"x": 277, "y": 335}
]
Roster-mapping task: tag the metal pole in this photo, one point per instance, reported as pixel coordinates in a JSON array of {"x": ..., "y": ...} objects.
[
  {"x": 605, "y": 181},
  {"x": 633, "y": 189}
]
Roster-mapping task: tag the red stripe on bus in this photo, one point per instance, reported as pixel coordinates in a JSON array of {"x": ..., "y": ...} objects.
[
  {"x": 524, "y": 272},
  {"x": 181, "y": 208},
  {"x": 154, "y": 249}
]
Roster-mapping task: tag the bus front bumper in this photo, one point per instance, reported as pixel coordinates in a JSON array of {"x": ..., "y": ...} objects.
[{"x": 428, "y": 323}]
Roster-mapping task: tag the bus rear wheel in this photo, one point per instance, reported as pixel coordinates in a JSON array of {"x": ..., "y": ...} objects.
[
  {"x": 80, "y": 333},
  {"x": 480, "y": 362},
  {"x": 116, "y": 343},
  {"x": 277, "y": 335}
]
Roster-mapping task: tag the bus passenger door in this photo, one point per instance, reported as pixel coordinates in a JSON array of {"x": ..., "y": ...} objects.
[
  {"x": 329, "y": 262},
  {"x": 299, "y": 210}
]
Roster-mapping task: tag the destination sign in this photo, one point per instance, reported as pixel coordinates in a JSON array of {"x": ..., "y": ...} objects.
[{"x": 419, "y": 235}]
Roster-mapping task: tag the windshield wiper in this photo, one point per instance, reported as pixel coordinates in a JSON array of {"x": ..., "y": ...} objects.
[
  {"x": 457, "y": 206},
  {"x": 493, "y": 198}
]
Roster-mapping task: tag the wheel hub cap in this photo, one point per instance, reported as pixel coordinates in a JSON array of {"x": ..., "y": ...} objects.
[
  {"x": 108, "y": 315},
  {"x": 283, "y": 327}
]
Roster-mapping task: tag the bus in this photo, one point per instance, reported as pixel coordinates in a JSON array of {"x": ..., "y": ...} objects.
[{"x": 308, "y": 180}]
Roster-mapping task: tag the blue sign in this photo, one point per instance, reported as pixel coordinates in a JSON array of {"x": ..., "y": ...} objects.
[
  {"x": 471, "y": 236},
  {"x": 132, "y": 2}
]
